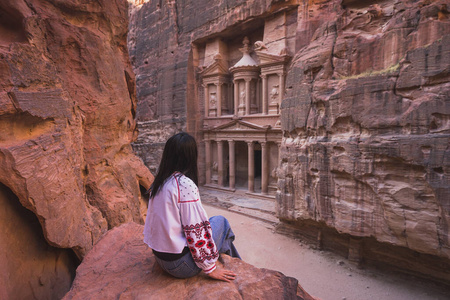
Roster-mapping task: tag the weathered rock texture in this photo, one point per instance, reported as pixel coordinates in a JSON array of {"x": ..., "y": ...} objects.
[
  {"x": 67, "y": 108},
  {"x": 365, "y": 117},
  {"x": 31, "y": 269},
  {"x": 121, "y": 266},
  {"x": 367, "y": 123}
]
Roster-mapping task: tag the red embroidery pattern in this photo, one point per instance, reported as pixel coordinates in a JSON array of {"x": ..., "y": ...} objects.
[
  {"x": 200, "y": 242},
  {"x": 197, "y": 229}
]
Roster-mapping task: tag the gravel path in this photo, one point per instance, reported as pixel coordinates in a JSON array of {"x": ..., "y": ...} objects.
[{"x": 322, "y": 274}]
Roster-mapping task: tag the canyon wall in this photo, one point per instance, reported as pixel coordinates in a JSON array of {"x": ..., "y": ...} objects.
[
  {"x": 365, "y": 116},
  {"x": 366, "y": 123},
  {"x": 67, "y": 118}
]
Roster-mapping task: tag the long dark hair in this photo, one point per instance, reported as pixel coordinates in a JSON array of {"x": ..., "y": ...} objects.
[{"x": 180, "y": 154}]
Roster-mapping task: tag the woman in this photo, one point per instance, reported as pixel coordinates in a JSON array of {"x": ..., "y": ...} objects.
[{"x": 177, "y": 228}]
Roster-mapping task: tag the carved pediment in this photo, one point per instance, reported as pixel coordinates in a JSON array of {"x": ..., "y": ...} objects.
[
  {"x": 239, "y": 125},
  {"x": 218, "y": 67},
  {"x": 271, "y": 59}
]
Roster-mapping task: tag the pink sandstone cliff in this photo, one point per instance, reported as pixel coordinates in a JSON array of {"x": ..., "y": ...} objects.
[
  {"x": 67, "y": 118},
  {"x": 364, "y": 158}
]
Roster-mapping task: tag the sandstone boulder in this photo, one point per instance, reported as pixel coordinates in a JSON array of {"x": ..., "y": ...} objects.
[{"x": 121, "y": 266}]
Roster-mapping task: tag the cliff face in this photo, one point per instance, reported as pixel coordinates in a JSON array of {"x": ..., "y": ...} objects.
[
  {"x": 365, "y": 115},
  {"x": 67, "y": 108},
  {"x": 366, "y": 122}
]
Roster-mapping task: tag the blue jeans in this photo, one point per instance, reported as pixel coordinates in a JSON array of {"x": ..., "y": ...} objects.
[{"x": 185, "y": 266}]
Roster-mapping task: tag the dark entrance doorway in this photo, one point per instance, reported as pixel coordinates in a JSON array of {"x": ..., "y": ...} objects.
[
  {"x": 258, "y": 157},
  {"x": 258, "y": 169}
]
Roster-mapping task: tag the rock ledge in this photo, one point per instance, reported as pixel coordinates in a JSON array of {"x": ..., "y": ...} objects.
[{"x": 121, "y": 266}]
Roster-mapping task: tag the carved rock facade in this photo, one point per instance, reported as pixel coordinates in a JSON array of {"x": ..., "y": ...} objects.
[{"x": 365, "y": 120}]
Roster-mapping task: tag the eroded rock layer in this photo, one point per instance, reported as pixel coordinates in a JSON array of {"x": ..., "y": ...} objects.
[
  {"x": 67, "y": 107},
  {"x": 365, "y": 115},
  {"x": 366, "y": 122}
]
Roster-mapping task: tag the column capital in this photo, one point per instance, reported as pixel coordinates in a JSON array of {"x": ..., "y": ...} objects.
[
  {"x": 248, "y": 79},
  {"x": 263, "y": 76}
]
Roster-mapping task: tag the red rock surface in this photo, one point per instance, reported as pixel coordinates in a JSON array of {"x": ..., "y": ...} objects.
[
  {"x": 366, "y": 122},
  {"x": 365, "y": 116},
  {"x": 122, "y": 266},
  {"x": 67, "y": 106},
  {"x": 31, "y": 269}
]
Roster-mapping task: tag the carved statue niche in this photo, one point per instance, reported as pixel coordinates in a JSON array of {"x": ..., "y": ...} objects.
[
  {"x": 212, "y": 100},
  {"x": 274, "y": 94},
  {"x": 253, "y": 100},
  {"x": 274, "y": 173},
  {"x": 241, "y": 94}
]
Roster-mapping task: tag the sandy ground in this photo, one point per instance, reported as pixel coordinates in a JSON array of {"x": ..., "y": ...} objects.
[{"x": 322, "y": 274}]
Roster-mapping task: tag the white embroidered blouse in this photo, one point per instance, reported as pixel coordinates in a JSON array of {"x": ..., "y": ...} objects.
[{"x": 176, "y": 218}]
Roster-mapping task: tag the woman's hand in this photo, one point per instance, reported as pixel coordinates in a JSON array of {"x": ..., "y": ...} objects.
[{"x": 222, "y": 274}]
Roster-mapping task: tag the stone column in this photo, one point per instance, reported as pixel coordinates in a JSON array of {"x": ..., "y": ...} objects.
[
  {"x": 264, "y": 168},
  {"x": 232, "y": 164},
  {"x": 219, "y": 98},
  {"x": 251, "y": 167},
  {"x": 236, "y": 97},
  {"x": 264, "y": 94},
  {"x": 205, "y": 87},
  {"x": 247, "y": 96},
  {"x": 220, "y": 170},
  {"x": 208, "y": 161},
  {"x": 281, "y": 92}
]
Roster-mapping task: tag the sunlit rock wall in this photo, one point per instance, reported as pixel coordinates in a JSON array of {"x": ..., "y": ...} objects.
[
  {"x": 365, "y": 116},
  {"x": 366, "y": 122},
  {"x": 67, "y": 108}
]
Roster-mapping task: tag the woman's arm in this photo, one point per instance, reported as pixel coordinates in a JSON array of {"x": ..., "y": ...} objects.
[
  {"x": 199, "y": 239},
  {"x": 196, "y": 226},
  {"x": 198, "y": 232}
]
